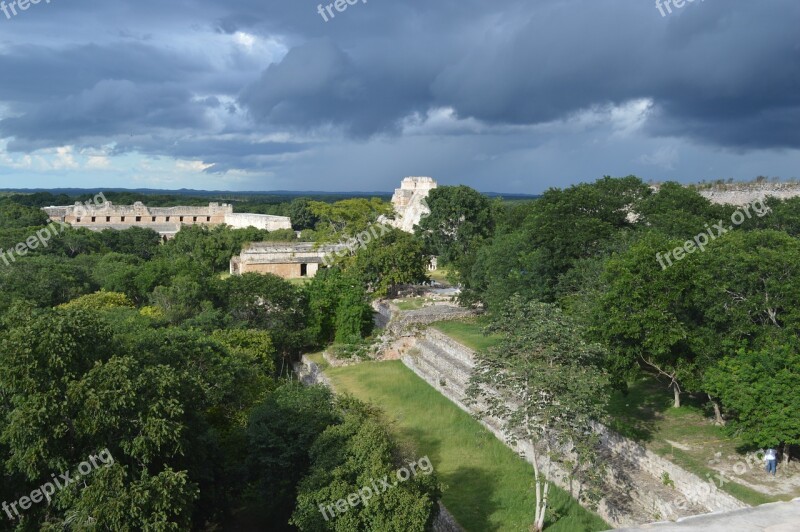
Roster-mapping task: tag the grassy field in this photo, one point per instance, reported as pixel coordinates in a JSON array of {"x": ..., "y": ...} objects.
[
  {"x": 469, "y": 332},
  {"x": 412, "y": 303},
  {"x": 683, "y": 435},
  {"x": 488, "y": 487},
  {"x": 439, "y": 275}
]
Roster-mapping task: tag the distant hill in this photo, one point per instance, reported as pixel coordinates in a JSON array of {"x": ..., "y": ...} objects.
[{"x": 233, "y": 195}]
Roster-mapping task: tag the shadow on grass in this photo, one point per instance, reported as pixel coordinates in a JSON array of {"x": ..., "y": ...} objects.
[
  {"x": 416, "y": 443},
  {"x": 468, "y": 492},
  {"x": 636, "y": 413},
  {"x": 476, "y": 498}
]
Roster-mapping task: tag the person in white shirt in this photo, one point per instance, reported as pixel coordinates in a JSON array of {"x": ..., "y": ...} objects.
[{"x": 771, "y": 458}]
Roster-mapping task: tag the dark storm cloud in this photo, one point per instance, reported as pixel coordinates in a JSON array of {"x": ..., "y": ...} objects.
[
  {"x": 222, "y": 154},
  {"x": 108, "y": 109},
  {"x": 725, "y": 73},
  {"x": 318, "y": 84},
  {"x": 721, "y": 72}
]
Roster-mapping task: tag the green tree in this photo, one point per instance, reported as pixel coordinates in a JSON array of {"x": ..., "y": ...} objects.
[
  {"x": 547, "y": 386},
  {"x": 759, "y": 389},
  {"x": 302, "y": 215},
  {"x": 394, "y": 259},
  {"x": 679, "y": 211},
  {"x": 45, "y": 280},
  {"x": 267, "y": 302},
  {"x": 13, "y": 215},
  {"x": 253, "y": 346},
  {"x": 461, "y": 219},
  {"x": 642, "y": 317},
  {"x": 99, "y": 301},
  {"x": 170, "y": 405},
  {"x": 280, "y": 435},
  {"x": 340, "y": 220},
  {"x": 338, "y": 308},
  {"x": 350, "y": 455},
  {"x": 138, "y": 241},
  {"x": 577, "y": 223}
]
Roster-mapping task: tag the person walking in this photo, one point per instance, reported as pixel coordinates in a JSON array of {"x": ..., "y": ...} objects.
[{"x": 771, "y": 458}]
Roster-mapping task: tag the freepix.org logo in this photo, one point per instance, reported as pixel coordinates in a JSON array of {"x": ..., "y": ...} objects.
[
  {"x": 665, "y": 6},
  {"x": 47, "y": 490},
  {"x": 43, "y": 236},
  {"x": 10, "y": 9},
  {"x": 327, "y": 12}
]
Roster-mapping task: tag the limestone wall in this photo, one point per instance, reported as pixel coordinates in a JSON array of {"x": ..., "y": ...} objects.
[
  {"x": 409, "y": 202},
  {"x": 744, "y": 194},
  {"x": 308, "y": 372},
  {"x": 398, "y": 321},
  {"x": 164, "y": 220},
  {"x": 259, "y": 221},
  {"x": 635, "y": 490}
]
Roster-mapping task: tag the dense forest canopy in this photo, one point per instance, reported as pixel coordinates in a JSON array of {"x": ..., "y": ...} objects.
[{"x": 115, "y": 342}]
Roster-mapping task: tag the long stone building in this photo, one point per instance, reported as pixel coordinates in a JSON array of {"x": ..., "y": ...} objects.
[
  {"x": 290, "y": 260},
  {"x": 165, "y": 220},
  {"x": 304, "y": 259}
]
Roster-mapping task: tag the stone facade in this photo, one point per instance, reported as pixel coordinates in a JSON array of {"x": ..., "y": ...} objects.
[
  {"x": 409, "y": 202},
  {"x": 635, "y": 490},
  {"x": 290, "y": 260},
  {"x": 165, "y": 220},
  {"x": 747, "y": 193}
]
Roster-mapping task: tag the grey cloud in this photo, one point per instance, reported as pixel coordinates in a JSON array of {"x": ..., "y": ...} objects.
[{"x": 722, "y": 72}]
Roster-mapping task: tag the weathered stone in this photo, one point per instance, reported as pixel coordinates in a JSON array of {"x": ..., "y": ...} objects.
[
  {"x": 409, "y": 202},
  {"x": 166, "y": 221}
]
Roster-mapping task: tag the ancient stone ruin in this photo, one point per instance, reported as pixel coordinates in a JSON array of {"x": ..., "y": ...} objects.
[
  {"x": 166, "y": 221},
  {"x": 409, "y": 202}
]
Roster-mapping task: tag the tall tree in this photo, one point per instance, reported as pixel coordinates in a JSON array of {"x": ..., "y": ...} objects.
[
  {"x": 460, "y": 220},
  {"x": 546, "y": 385},
  {"x": 759, "y": 389},
  {"x": 393, "y": 259}
]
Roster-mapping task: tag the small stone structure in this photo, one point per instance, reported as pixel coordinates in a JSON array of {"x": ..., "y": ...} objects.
[
  {"x": 396, "y": 322},
  {"x": 167, "y": 221},
  {"x": 409, "y": 202},
  {"x": 290, "y": 260},
  {"x": 308, "y": 372}
]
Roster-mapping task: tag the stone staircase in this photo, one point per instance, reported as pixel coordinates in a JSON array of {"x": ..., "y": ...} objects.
[{"x": 635, "y": 490}]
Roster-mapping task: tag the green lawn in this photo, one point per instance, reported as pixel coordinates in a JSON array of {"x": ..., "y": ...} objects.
[
  {"x": 646, "y": 415},
  {"x": 488, "y": 487},
  {"x": 439, "y": 275},
  {"x": 469, "y": 332},
  {"x": 411, "y": 304}
]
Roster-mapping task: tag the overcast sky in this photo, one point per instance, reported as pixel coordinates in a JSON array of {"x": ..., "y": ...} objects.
[{"x": 501, "y": 95}]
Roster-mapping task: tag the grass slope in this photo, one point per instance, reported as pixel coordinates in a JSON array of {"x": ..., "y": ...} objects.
[
  {"x": 488, "y": 487},
  {"x": 646, "y": 415},
  {"x": 469, "y": 332}
]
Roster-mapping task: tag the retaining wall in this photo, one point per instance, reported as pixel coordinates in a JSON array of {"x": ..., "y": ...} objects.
[{"x": 635, "y": 492}]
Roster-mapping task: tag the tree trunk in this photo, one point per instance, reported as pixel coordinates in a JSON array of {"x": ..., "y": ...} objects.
[
  {"x": 541, "y": 502},
  {"x": 786, "y": 450},
  {"x": 539, "y": 525},
  {"x": 717, "y": 413},
  {"x": 677, "y": 393}
]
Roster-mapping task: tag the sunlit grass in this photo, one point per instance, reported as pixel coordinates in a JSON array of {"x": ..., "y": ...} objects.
[
  {"x": 469, "y": 332},
  {"x": 488, "y": 487},
  {"x": 646, "y": 414}
]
